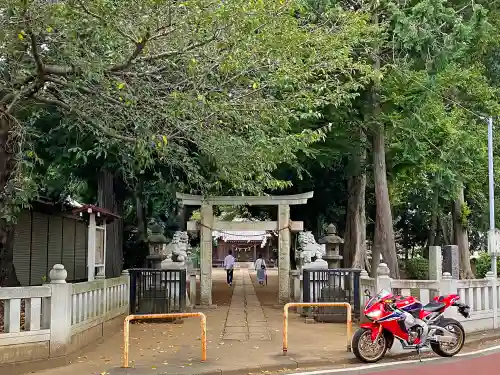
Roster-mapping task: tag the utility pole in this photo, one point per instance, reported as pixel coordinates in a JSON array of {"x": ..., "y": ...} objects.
[{"x": 492, "y": 243}]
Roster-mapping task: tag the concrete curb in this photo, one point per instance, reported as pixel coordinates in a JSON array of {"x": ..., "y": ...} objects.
[{"x": 284, "y": 363}]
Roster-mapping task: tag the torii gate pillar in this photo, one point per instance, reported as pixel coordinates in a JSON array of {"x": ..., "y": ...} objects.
[
  {"x": 206, "y": 244},
  {"x": 283, "y": 226},
  {"x": 284, "y": 253}
]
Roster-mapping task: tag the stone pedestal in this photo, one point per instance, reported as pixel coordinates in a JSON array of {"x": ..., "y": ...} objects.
[
  {"x": 318, "y": 264},
  {"x": 451, "y": 261}
]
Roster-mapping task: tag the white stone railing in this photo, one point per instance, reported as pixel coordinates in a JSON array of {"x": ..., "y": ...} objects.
[
  {"x": 478, "y": 294},
  {"x": 50, "y": 320},
  {"x": 26, "y": 316},
  {"x": 424, "y": 290},
  {"x": 98, "y": 301}
]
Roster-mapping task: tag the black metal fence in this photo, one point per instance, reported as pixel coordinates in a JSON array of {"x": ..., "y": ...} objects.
[
  {"x": 157, "y": 291},
  {"x": 332, "y": 285}
]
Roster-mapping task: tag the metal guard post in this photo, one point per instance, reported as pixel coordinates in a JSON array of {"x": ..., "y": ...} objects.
[
  {"x": 316, "y": 304},
  {"x": 128, "y": 319}
]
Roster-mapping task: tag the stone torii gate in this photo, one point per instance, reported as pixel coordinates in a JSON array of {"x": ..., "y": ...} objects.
[{"x": 284, "y": 226}]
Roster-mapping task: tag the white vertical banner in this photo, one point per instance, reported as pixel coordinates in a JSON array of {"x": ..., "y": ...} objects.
[{"x": 494, "y": 242}]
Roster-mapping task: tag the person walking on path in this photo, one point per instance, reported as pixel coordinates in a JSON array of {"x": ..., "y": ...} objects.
[
  {"x": 260, "y": 267},
  {"x": 229, "y": 267}
]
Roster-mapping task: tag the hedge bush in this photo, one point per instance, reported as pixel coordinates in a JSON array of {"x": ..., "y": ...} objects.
[{"x": 417, "y": 268}]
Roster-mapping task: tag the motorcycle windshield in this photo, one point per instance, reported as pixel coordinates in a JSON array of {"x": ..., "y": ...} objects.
[{"x": 383, "y": 294}]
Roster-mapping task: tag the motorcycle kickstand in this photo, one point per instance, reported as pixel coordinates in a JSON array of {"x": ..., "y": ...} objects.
[{"x": 419, "y": 353}]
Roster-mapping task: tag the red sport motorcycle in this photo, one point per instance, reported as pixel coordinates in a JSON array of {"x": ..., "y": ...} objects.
[{"x": 414, "y": 325}]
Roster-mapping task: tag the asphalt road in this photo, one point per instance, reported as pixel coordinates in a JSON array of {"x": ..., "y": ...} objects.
[{"x": 481, "y": 362}]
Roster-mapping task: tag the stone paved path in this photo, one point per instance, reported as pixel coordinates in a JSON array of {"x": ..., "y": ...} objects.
[{"x": 245, "y": 318}]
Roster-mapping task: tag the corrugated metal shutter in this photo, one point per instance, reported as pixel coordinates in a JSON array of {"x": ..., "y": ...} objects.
[
  {"x": 81, "y": 251},
  {"x": 55, "y": 241},
  {"x": 39, "y": 248},
  {"x": 22, "y": 244},
  {"x": 68, "y": 257}
]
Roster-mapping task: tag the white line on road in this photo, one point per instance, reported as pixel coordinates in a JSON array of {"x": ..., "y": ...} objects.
[{"x": 390, "y": 364}]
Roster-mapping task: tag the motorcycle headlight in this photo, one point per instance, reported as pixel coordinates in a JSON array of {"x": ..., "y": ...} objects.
[{"x": 374, "y": 315}]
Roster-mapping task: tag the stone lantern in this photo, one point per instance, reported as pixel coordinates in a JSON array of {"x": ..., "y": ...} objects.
[
  {"x": 334, "y": 291},
  {"x": 157, "y": 243},
  {"x": 332, "y": 243}
]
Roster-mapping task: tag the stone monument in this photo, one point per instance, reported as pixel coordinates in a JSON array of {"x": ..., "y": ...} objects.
[{"x": 451, "y": 261}]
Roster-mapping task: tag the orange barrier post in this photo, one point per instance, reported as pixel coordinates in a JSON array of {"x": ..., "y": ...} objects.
[
  {"x": 318, "y": 304},
  {"x": 128, "y": 319}
]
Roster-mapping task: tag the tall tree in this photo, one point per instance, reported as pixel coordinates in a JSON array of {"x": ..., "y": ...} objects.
[{"x": 209, "y": 88}]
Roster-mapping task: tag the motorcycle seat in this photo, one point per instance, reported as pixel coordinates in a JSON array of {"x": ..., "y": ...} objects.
[{"x": 434, "y": 306}]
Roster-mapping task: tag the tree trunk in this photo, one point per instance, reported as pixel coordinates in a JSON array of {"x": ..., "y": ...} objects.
[
  {"x": 384, "y": 231},
  {"x": 383, "y": 242},
  {"x": 114, "y": 240},
  {"x": 355, "y": 240},
  {"x": 355, "y": 233},
  {"x": 140, "y": 210},
  {"x": 434, "y": 219},
  {"x": 8, "y": 276},
  {"x": 406, "y": 234},
  {"x": 444, "y": 230},
  {"x": 461, "y": 236}
]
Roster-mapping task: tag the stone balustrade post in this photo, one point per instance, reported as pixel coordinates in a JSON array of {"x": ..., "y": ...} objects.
[
  {"x": 363, "y": 276},
  {"x": 60, "y": 311},
  {"x": 126, "y": 274},
  {"x": 192, "y": 287},
  {"x": 493, "y": 296},
  {"x": 295, "y": 276},
  {"x": 383, "y": 280},
  {"x": 448, "y": 285},
  {"x": 300, "y": 310}
]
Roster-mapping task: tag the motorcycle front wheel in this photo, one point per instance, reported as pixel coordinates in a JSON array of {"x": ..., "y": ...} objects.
[
  {"x": 448, "y": 349},
  {"x": 365, "y": 349}
]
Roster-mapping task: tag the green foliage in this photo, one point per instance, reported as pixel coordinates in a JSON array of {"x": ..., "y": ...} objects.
[
  {"x": 483, "y": 265},
  {"x": 417, "y": 268},
  {"x": 253, "y": 97},
  {"x": 177, "y": 96},
  {"x": 464, "y": 215}
]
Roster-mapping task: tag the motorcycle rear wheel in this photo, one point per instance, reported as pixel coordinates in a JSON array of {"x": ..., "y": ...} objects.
[
  {"x": 362, "y": 343},
  {"x": 446, "y": 349}
]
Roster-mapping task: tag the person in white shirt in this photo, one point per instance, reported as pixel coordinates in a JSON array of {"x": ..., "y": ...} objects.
[
  {"x": 229, "y": 267},
  {"x": 260, "y": 267}
]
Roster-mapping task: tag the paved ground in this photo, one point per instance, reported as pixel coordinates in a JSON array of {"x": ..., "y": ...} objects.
[
  {"x": 481, "y": 362},
  {"x": 487, "y": 364},
  {"x": 244, "y": 330},
  {"x": 244, "y": 336},
  {"x": 245, "y": 319}
]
